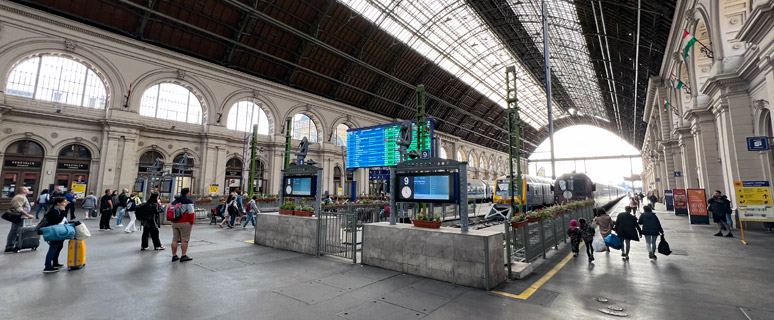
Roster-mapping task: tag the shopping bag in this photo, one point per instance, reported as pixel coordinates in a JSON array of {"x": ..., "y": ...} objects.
[
  {"x": 81, "y": 232},
  {"x": 663, "y": 247},
  {"x": 598, "y": 244},
  {"x": 613, "y": 241}
]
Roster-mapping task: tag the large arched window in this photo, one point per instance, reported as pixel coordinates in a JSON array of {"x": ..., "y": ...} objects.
[
  {"x": 482, "y": 162},
  {"x": 171, "y": 101},
  {"x": 57, "y": 79},
  {"x": 304, "y": 127},
  {"x": 472, "y": 160},
  {"x": 442, "y": 153},
  {"x": 460, "y": 156},
  {"x": 341, "y": 135},
  {"x": 246, "y": 113}
]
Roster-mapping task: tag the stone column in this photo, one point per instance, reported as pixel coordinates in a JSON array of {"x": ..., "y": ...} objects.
[
  {"x": 709, "y": 168},
  {"x": 687, "y": 149},
  {"x": 119, "y": 158}
]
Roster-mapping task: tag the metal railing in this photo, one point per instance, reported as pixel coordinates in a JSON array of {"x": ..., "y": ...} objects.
[{"x": 533, "y": 240}]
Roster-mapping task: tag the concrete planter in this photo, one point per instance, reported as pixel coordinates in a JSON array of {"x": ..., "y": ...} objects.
[{"x": 427, "y": 224}]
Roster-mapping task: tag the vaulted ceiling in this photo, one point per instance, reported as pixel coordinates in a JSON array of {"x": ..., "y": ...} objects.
[{"x": 343, "y": 51}]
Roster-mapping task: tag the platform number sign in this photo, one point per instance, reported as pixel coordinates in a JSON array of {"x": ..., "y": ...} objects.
[
  {"x": 757, "y": 143},
  {"x": 424, "y": 154}
]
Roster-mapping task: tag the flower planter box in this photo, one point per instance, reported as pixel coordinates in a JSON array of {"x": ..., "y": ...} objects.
[
  {"x": 303, "y": 213},
  {"x": 518, "y": 224},
  {"x": 286, "y": 212},
  {"x": 203, "y": 201},
  {"x": 427, "y": 224},
  {"x": 533, "y": 219}
]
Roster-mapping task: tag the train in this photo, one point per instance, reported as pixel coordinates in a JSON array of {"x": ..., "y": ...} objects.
[
  {"x": 541, "y": 192},
  {"x": 480, "y": 190}
]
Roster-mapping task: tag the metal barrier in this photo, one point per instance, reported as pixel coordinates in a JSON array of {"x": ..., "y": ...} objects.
[
  {"x": 337, "y": 232},
  {"x": 533, "y": 240}
]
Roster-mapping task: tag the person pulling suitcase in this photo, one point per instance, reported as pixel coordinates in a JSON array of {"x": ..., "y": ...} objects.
[{"x": 20, "y": 209}]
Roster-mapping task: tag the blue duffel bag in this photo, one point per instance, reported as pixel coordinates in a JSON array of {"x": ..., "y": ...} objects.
[
  {"x": 58, "y": 232},
  {"x": 613, "y": 241}
]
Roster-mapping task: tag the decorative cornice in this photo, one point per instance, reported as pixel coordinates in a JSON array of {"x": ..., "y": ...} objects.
[
  {"x": 760, "y": 104},
  {"x": 759, "y": 24}
]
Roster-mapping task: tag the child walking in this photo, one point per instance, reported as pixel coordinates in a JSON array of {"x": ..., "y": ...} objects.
[
  {"x": 587, "y": 233},
  {"x": 575, "y": 236}
]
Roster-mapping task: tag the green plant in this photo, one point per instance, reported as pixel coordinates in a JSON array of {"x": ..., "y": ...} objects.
[
  {"x": 424, "y": 217},
  {"x": 288, "y": 206},
  {"x": 306, "y": 209},
  {"x": 519, "y": 218}
]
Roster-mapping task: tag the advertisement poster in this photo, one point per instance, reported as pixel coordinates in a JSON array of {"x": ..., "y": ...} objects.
[
  {"x": 680, "y": 201},
  {"x": 214, "y": 188},
  {"x": 697, "y": 206},
  {"x": 80, "y": 189},
  {"x": 753, "y": 198},
  {"x": 669, "y": 200}
]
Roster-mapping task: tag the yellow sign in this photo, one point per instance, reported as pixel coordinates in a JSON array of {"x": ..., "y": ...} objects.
[
  {"x": 340, "y": 191},
  {"x": 756, "y": 196},
  {"x": 79, "y": 188},
  {"x": 214, "y": 188},
  {"x": 754, "y": 201}
]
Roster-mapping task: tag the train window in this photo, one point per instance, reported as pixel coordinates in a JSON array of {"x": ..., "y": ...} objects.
[{"x": 579, "y": 185}]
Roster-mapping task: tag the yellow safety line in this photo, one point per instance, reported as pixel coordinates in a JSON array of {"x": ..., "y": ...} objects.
[
  {"x": 250, "y": 241},
  {"x": 535, "y": 286}
]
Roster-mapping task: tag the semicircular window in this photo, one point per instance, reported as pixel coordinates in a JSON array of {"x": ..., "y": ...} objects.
[
  {"x": 57, "y": 79},
  {"x": 171, "y": 101}
]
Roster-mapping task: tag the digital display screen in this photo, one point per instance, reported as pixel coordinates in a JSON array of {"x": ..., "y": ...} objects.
[
  {"x": 378, "y": 146},
  {"x": 299, "y": 186},
  {"x": 425, "y": 188}
]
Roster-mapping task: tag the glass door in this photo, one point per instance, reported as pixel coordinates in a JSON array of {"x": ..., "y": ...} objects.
[
  {"x": 9, "y": 184},
  {"x": 31, "y": 182}
]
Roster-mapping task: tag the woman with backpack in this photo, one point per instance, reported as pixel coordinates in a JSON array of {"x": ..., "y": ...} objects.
[
  {"x": 232, "y": 211},
  {"x": 43, "y": 199},
  {"x": 90, "y": 205},
  {"x": 131, "y": 206},
  {"x": 252, "y": 209},
  {"x": 151, "y": 223}
]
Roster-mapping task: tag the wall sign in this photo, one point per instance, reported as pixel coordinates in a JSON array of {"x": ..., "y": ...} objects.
[
  {"x": 72, "y": 166},
  {"x": 757, "y": 143},
  {"x": 753, "y": 198},
  {"x": 22, "y": 164}
]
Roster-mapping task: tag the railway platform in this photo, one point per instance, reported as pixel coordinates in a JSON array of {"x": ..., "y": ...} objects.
[{"x": 230, "y": 278}]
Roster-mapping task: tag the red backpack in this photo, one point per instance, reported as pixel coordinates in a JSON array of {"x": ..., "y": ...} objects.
[{"x": 175, "y": 213}]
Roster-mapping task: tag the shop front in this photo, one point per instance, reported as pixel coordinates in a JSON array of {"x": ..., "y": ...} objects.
[{"x": 22, "y": 165}]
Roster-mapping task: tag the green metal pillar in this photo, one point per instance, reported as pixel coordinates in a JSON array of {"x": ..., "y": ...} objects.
[
  {"x": 288, "y": 141},
  {"x": 253, "y": 151},
  {"x": 514, "y": 150},
  {"x": 422, "y": 129}
]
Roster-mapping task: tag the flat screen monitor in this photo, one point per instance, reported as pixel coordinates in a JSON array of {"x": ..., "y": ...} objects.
[
  {"x": 377, "y": 146},
  {"x": 437, "y": 188},
  {"x": 300, "y": 186}
]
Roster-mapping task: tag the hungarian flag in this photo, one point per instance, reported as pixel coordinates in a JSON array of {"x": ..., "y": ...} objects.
[
  {"x": 691, "y": 41},
  {"x": 666, "y": 105}
]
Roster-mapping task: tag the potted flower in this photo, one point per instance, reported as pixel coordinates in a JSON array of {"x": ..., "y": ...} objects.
[
  {"x": 287, "y": 208},
  {"x": 519, "y": 221},
  {"x": 203, "y": 200},
  {"x": 304, "y": 212},
  {"x": 425, "y": 221},
  {"x": 535, "y": 216}
]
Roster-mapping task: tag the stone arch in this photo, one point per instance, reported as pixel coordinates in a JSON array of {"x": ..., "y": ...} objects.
[
  {"x": 179, "y": 77},
  {"x": 167, "y": 156},
  {"x": 268, "y": 106},
  {"x": 48, "y": 148},
  {"x": 15, "y": 52},
  {"x": 196, "y": 158},
  {"x": 91, "y": 146},
  {"x": 343, "y": 119},
  {"x": 461, "y": 155},
  {"x": 316, "y": 117}
]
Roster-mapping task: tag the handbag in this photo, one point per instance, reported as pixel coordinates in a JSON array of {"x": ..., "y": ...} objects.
[
  {"x": 598, "y": 244},
  {"x": 663, "y": 247},
  {"x": 13, "y": 218},
  {"x": 81, "y": 232},
  {"x": 613, "y": 241},
  {"x": 58, "y": 232}
]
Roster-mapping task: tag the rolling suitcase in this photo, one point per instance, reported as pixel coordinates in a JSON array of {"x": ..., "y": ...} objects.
[
  {"x": 28, "y": 238},
  {"x": 76, "y": 254}
]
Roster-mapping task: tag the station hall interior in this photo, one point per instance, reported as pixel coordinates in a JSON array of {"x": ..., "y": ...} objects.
[{"x": 387, "y": 159}]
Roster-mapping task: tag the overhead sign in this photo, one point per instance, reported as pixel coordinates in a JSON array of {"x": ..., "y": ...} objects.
[
  {"x": 678, "y": 174},
  {"x": 22, "y": 164},
  {"x": 72, "y": 166},
  {"x": 378, "y": 175},
  {"x": 753, "y": 199},
  {"x": 377, "y": 146},
  {"x": 757, "y": 143}
]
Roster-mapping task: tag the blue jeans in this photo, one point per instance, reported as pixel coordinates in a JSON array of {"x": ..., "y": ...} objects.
[
  {"x": 729, "y": 220},
  {"x": 233, "y": 219},
  {"x": 250, "y": 218},
  {"x": 52, "y": 256},
  {"x": 43, "y": 206},
  {"x": 121, "y": 211},
  {"x": 650, "y": 242}
]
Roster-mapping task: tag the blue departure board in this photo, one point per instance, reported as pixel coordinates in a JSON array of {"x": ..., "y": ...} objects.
[{"x": 377, "y": 146}]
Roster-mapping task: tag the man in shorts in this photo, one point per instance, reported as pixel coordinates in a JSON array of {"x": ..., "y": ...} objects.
[
  {"x": 181, "y": 229},
  {"x": 719, "y": 205}
]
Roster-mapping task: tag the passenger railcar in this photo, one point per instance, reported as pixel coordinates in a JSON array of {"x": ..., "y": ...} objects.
[
  {"x": 578, "y": 186},
  {"x": 538, "y": 192}
]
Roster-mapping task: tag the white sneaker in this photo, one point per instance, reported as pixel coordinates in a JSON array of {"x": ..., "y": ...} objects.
[
  {"x": 120, "y": 225},
  {"x": 127, "y": 231}
]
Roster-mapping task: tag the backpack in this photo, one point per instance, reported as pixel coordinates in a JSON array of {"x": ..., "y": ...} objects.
[
  {"x": 131, "y": 204},
  {"x": 248, "y": 207},
  {"x": 176, "y": 212},
  {"x": 143, "y": 212}
]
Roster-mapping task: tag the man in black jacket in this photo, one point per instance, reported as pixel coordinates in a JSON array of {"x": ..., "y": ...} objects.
[
  {"x": 627, "y": 229},
  {"x": 720, "y": 206}
]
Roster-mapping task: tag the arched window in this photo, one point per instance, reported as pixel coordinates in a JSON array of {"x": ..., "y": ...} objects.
[
  {"x": 442, "y": 153},
  {"x": 246, "y": 113},
  {"x": 482, "y": 162},
  {"x": 341, "y": 135},
  {"x": 25, "y": 148},
  {"x": 304, "y": 127},
  {"x": 148, "y": 158},
  {"x": 57, "y": 79},
  {"x": 472, "y": 160},
  {"x": 75, "y": 151},
  {"x": 171, "y": 101},
  {"x": 179, "y": 158},
  {"x": 460, "y": 156}
]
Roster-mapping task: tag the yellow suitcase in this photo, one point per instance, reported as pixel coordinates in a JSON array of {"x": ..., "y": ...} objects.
[{"x": 76, "y": 254}]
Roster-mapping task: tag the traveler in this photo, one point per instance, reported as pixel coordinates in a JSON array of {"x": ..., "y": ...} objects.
[
  {"x": 587, "y": 233},
  {"x": 54, "y": 216},
  {"x": 232, "y": 210},
  {"x": 181, "y": 229},
  {"x": 605, "y": 224},
  {"x": 132, "y": 204},
  {"x": 219, "y": 211},
  {"x": 43, "y": 199},
  {"x": 151, "y": 225},
  {"x": 90, "y": 205},
  {"x": 70, "y": 197},
  {"x": 651, "y": 228},
  {"x": 20, "y": 206},
  {"x": 627, "y": 228},
  {"x": 575, "y": 237},
  {"x": 105, "y": 210},
  {"x": 720, "y": 208},
  {"x": 634, "y": 204},
  {"x": 122, "y": 198},
  {"x": 57, "y": 193},
  {"x": 251, "y": 212},
  {"x": 652, "y": 199}
]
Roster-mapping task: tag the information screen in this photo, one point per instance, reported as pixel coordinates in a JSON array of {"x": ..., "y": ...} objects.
[
  {"x": 377, "y": 146},
  {"x": 425, "y": 188},
  {"x": 299, "y": 186}
]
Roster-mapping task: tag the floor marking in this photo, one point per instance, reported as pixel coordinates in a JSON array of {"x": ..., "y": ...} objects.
[
  {"x": 250, "y": 241},
  {"x": 535, "y": 286}
]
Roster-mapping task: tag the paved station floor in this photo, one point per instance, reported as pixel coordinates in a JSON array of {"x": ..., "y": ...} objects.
[{"x": 706, "y": 278}]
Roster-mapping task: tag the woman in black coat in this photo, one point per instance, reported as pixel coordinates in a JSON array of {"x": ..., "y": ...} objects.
[
  {"x": 627, "y": 228},
  {"x": 151, "y": 225},
  {"x": 54, "y": 216},
  {"x": 651, "y": 228}
]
